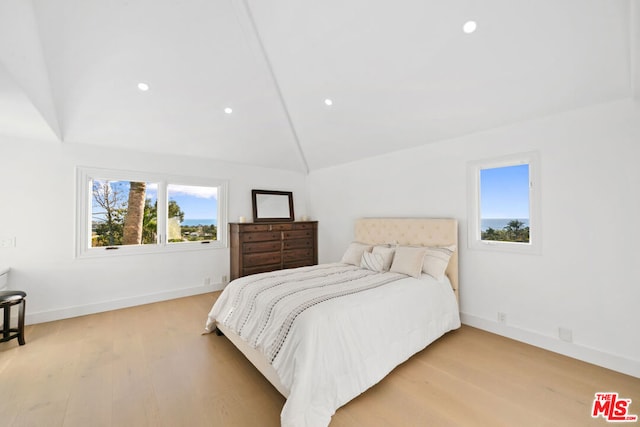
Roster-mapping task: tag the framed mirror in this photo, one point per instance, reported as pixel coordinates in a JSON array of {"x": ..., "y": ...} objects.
[{"x": 270, "y": 205}]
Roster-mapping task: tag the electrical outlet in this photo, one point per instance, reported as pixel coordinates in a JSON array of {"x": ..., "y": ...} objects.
[
  {"x": 224, "y": 279},
  {"x": 565, "y": 334},
  {"x": 207, "y": 281},
  {"x": 502, "y": 317},
  {"x": 7, "y": 242}
]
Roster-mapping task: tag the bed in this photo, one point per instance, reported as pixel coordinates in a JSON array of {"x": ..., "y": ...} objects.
[{"x": 324, "y": 334}]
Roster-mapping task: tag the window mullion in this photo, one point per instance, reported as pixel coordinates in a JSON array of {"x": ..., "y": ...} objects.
[
  {"x": 157, "y": 192},
  {"x": 162, "y": 213}
]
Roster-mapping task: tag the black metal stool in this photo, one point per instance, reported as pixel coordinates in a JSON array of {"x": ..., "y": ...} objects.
[{"x": 7, "y": 300}]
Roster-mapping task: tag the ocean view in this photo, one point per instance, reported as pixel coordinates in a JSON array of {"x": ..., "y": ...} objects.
[
  {"x": 495, "y": 223},
  {"x": 500, "y": 223},
  {"x": 194, "y": 222}
]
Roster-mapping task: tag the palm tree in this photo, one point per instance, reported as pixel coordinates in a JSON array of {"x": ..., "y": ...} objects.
[
  {"x": 133, "y": 220},
  {"x": 514, "y": 225},
  {"x": 515, "y": 231}
]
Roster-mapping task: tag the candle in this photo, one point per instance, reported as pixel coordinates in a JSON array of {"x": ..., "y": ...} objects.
[{"x": 242, "y": 219}]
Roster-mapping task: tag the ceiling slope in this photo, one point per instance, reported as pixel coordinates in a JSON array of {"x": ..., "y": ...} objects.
[
  {"x": 403, "y": 73},
  {"x": 26, "y": 104},
  {"x": 400, "y": 74},
  {"x": 197, "y": 61}
]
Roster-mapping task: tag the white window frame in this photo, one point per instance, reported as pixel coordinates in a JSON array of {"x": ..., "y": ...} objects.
[
  {"x": 474, "y": 223},
  {"x": 84, "y": 176}
]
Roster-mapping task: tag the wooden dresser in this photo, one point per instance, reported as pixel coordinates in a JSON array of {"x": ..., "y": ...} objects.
[{"x": 268, "y": 246}]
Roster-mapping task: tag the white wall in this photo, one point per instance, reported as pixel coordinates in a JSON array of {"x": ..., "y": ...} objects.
[
  {"x": 587, "y": 278},
  {"x": 37, "y": 207}
]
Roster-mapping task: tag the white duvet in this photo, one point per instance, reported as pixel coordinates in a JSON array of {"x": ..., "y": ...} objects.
[{"x": 337, "y": 333}]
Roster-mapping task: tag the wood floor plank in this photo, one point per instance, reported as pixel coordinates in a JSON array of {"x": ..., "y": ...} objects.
[{"x": 150, "y": 366}]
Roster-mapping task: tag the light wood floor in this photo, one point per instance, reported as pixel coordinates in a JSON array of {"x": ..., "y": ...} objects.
[{"x": 149, "y": 366}]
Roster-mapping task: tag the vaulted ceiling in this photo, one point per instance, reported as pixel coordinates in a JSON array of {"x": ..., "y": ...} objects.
[{"x": 399, "y": 73}]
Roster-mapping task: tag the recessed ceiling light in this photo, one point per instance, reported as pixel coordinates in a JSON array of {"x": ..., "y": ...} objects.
[
  {"x": 328, "y": 102},
  {"x": 143, "y": 87},
  {"x": 228, "y": 110},
  {"x": 469, "y": 27}
]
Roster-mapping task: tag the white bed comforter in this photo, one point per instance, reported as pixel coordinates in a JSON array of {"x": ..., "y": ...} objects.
[{"x": 335, "y": 334}]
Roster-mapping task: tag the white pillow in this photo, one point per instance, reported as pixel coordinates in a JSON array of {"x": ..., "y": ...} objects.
[
  {"x": 354, "y": 252},
  {"x": 372, "y": 261},
  {"x": 387, "y": 255},
  {"x": 408, "y": 260},
  {"x": 436, "y": 260}
]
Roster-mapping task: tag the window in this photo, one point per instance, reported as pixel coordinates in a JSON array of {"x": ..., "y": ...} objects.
[
  {"x": 130, "y": 212},
  {"x": 192, "y": 213},
  {"x": 116, "y": 218},
  {"x": 504, "y": 204}
]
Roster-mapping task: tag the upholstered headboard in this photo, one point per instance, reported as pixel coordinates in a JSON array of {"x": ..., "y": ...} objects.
[{"x": 414, "y": 232}]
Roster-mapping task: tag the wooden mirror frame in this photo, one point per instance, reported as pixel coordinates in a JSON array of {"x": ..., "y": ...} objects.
[{"x": 257, "y": 217}]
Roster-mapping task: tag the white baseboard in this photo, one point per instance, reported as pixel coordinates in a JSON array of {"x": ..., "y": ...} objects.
[
  {"x": 586, "y": 354},
  {"x": 82, "y": 310}
]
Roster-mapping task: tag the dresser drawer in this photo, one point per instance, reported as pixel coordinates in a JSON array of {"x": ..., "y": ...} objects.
[
  {"x": 296, "y": 254},
  {"x": 271, "y": 246},
  {"x": 298, "y": 234},
  {"x": 250, "y": 228},
  {"x": 262, "y": 258},
  {"x": 261, "y": 236},
  {"x": 297, "y": 243},
  {"x": 281, "y": 227},
  {"x": 268, "y": 246},
  {"x": 304, "y": 226}
]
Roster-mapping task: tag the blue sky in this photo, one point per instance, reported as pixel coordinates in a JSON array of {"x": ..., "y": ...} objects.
[
  {"x": 195, "y": 201},
  {"x": 504, "y": 192}
]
